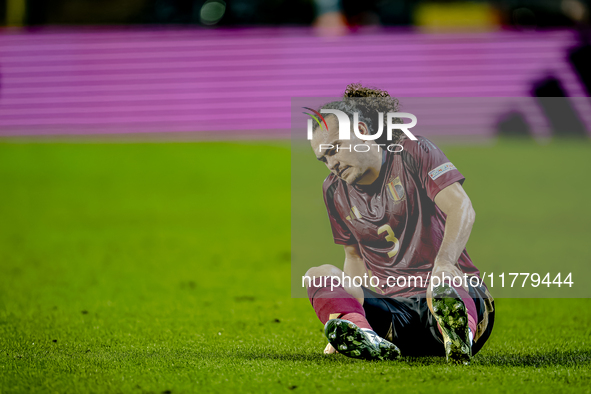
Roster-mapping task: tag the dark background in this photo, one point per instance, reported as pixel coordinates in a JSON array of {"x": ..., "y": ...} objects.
[{"x": 520, "y": 13}]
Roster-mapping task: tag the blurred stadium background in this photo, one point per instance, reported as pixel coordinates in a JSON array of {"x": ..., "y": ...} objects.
[{"x": 165, "y": 267}]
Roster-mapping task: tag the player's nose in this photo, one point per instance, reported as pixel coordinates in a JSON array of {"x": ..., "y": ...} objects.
[{"x": 333, "y": 164}]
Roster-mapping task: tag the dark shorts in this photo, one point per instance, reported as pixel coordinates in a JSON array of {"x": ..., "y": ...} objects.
[{"x": 408, "y": 323}]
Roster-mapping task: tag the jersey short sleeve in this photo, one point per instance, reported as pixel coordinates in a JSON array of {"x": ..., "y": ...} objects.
[
  {"x": 340, "y": 232},
  {"x": 432, "y": 168}
]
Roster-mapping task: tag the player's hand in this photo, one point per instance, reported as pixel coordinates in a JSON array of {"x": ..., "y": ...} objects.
[
  {"x": 450, "y": 270},
  {"x": 329, "y": 349},
  {"x": 439, "y": 269}
]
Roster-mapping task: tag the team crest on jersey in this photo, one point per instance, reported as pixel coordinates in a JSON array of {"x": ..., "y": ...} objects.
[{"x": 395, "y": 189}]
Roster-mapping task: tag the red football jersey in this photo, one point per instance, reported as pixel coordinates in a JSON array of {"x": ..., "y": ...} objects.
[{"x": 395, "y": 220}]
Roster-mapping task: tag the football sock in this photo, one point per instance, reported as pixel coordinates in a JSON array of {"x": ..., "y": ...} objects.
[
  {"x": 359, "y": 320},
  {"x": 336, "y": 303},
  {"x": 470, "y": 308}
]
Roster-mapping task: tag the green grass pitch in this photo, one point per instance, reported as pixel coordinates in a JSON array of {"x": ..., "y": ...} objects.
[{"x": 155, "y": 268}]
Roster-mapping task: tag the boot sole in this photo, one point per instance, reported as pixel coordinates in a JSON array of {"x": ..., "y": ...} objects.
[
  {"x": 452, "y": 316},
  {"x": 350, "y": 340}
]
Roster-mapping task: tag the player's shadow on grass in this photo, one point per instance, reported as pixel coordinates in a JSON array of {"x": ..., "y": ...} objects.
[
  {"x": 307, "y": 357},
  {"x": 539, "y": 359},
  {"x": 536, "y": 359}
]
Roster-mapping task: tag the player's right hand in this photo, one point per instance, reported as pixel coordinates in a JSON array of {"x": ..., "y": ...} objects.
[{"x": 441, "y": 269}]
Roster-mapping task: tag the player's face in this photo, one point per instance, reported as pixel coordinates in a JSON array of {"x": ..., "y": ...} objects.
[{"x": 341, "y": 159}]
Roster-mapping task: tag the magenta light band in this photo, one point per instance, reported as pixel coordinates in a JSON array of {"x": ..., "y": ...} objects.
[{"x": 109, "y": 80}]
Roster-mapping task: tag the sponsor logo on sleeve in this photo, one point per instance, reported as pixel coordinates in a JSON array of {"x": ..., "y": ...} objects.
[{"x": 442, "y": 169}]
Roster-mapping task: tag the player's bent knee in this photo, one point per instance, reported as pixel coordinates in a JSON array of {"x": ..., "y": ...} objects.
[
  {"x": 323, "y": 270},
  {"x": 356, "y": 292}
]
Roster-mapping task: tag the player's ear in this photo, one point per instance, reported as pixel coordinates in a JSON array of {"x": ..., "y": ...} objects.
[{"x": 363, "y": 129}]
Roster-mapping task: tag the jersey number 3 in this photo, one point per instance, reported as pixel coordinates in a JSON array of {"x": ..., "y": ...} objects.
[{"x": 390, "y": 237}]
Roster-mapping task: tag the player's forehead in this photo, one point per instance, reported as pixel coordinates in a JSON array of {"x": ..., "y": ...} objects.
[{"x": 323, "y": 136}]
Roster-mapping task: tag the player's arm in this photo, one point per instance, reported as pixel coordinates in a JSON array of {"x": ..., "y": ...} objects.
[
  {"x": 456, "y": 204},
  {"x": 354, "y": 265}
]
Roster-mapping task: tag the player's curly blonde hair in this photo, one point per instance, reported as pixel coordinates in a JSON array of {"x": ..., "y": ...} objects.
[{"x": 368, "y": 102}]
